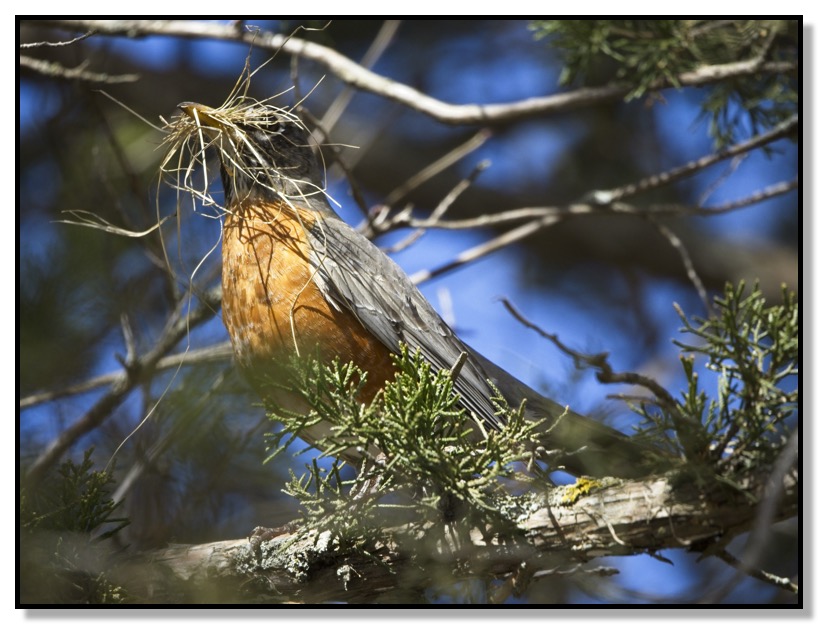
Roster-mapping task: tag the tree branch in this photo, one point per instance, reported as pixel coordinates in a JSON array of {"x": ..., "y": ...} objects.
[
  {"x": 569, "y": 526},
  {"x": 761, "y": 575},
  {"x": 178, "y": 326},
  {"x": 55, "y": 44},
  {"x": 441, "y": 208},
  {"x": 220, "y": 352},
  {"x": 687, "y": 261},
  {"x": 483, "y": 249},
  {"x": 783, "y": 129},
  {"x": 585, "y": 209},
  {"x": 55, "y": 70},
  {"x": 359, "y": 77}
]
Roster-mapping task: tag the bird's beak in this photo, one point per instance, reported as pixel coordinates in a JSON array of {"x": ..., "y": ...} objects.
[{"x": 202, "y": 114}]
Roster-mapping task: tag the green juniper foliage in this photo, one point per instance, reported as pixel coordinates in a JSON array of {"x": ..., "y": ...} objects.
[
  {"x": 64, "y": 522},
  {"x": 76, "y": 499},
  {"x": 752, "y": 348},
  {"x": 642, "y": 53},
  {"x": 422, "y": 458}
]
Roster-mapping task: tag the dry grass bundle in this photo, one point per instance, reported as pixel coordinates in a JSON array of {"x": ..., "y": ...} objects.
[{"x": 260, "y": 146}]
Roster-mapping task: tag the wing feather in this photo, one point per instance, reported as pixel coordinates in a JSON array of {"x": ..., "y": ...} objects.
[{"x": 359, "y": 277}]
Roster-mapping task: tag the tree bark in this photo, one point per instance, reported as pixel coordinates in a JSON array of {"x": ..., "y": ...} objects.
[{"x": 557, "y": 533}]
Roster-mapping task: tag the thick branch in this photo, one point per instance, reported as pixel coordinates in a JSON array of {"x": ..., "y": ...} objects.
[{"x": 568, "y": 526}]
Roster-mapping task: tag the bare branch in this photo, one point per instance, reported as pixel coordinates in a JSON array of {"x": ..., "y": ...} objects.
[
  {"x": 773, "y": 190},
  {"x": 382, "y": 40},
  {"x": 598, "y": 361},
  {"x": 442, "y": 163},
  {"x": 380, "y": 221},
  {"x": 358, "y": 77},
  {"x": 785, "y": 128},
  {"x": 220, "y": 352},
  {"x": 478, "y": 251},
  {"x": 48, "y": 68},
  {"x": 584, "y": 209},
  {"x": 761, "y": 575},
  {"x": 500, "y": 218},
  {"x": 440, "y": 209},
  {"x": 561, "y": 533},
  {"x": 56, "y": 44},
  {"x": 178, "y": 326},
  {"x": 723, "y": 177},
  {"x": 690, "y": 270}
]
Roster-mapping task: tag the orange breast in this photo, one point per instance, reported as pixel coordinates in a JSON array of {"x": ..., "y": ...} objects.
[{"x": 271, "y": 305}]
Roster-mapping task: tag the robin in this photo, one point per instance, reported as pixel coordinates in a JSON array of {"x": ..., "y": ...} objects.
[{"x": 296, "y": 279}]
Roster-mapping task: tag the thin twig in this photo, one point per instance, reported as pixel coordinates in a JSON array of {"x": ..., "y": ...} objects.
[
  {"x": 478, "y": 251},
  {"x": 56, "y": 44},
  {"x": 584, "y": 209},
  {"x": 785, "y": 128},
  {"x": 598, "y": 361},
  {"x": 440, "y": 209},
  {"x": 486, "y": 220},
  {"x": 382, "y": 40},
  {"x": 690, "y": 270},
  {"x": 442, "y": 163},
  {"x": 129, "y": 339},
  {"x": 723, "y": 177},
  {"x": 761, "y": 575},
  {"x": 688, "y": 431},
  {"x": 773, "y": 190}
]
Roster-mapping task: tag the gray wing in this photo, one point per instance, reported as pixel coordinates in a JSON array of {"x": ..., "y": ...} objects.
[{"x": 360, "y": 278}]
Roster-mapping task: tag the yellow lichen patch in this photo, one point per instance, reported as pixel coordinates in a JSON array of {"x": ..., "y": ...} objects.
[{"x": 582, "y": 487}]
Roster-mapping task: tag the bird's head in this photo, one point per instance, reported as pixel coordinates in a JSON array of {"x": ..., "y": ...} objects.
[{"x": 264, "y": 151}]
